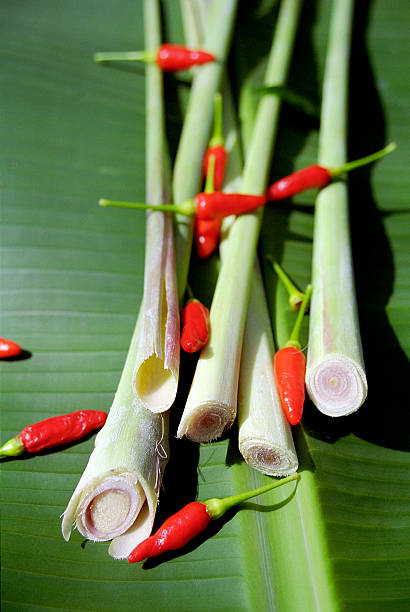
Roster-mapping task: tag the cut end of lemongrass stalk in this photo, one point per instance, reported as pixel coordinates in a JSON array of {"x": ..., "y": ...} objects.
[
  {"x": 155, "y": 384},
  {"x": 110, "y": 508},
  {"x": 269, "y": 459},
  {"x": 337, "y": 385},
  {"x": 206, "y": 422}
]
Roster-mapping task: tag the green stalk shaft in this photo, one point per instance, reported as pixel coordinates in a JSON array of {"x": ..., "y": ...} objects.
[{"x": 335, "y": 376}]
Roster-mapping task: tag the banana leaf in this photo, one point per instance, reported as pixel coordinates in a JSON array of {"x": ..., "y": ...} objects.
[{"x": 71, "y": 286}]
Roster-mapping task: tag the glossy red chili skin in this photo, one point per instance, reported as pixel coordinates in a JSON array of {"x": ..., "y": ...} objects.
[
  {"x": 195, "y": 326},
  {"x": 171, "y": 58},
  {"x": 175, "y": 532},
  {"x": 290, "y": 367},
  {"x": 311, "y": 177},
  {"x": 221, "y": 157},
  {"x": 61, "y": 429},
  {"x": 218, "y": 205},
  {"x": 8, "y": 348},
  {"x": 206, "y": 236}
]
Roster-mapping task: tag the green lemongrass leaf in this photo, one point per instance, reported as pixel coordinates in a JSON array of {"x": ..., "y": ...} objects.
[
  {"x": 291, "y": 97},
  {"x": 212, "y": 401},
  {"x": 335, "y": 376},
  {"x": 117, "y": 495}
]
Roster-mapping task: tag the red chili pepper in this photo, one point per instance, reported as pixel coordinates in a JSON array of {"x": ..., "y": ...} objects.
[
  {"x": 301, "y": 180},
  {"x": 8, "y": 348},
  {"x": 169, "y": 57},
  {"x": 318, "y": 176},
  {"x": 172, "y": 58},
  {"x": 195, "y": 326},
  {"x": 289, "y": 365},
  {"x": 218, "y": 205},
  {"x": 54, "y": 432},
  {"x": 216, "y": 147},
  {"x": 191, "y": 520},
  {"x": 207, "y": 206},
  {"x": 206, "y": 237}
]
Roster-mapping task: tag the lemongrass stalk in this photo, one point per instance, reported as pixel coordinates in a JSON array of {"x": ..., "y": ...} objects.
[
  {"x": 335, "y": 375},
  {"x": 265, "y": 438},
  {"x": 117, "y": 495},
  {"x": 264, "y": 434},
  {"x": 212, "y": 401},
  {"x": 187, "y": 173},
  {"x": 157, "y": 364}
]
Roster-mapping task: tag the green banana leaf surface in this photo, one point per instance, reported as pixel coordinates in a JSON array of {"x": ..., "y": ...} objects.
[{"x": 72, "y": 278}]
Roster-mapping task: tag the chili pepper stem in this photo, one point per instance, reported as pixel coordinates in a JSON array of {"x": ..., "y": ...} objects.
[
  {"x": 185, "y": 208},
  {"x": 363, "y": 161},
  {"x": 124, "y": 56},
  {"x": 209, "y": 183},
  {"x": 294, "y": 336},
  {"x": 296, "y": 296},
  {"x": 217, "y": 507},
  {"x": 217, "y": 138},
  {"x": 12, "y": 448}
]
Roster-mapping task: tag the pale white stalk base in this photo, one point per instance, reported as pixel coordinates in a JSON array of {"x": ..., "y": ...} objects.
[
  {"x": 337, "y": 385},
  {"x": 124, "y": 472},
  {"x": 206, "y": 422}
]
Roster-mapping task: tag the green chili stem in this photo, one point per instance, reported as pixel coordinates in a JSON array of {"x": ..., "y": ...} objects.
[
  {"x": 363, "y": 161},
  {"x": 294, "y": 336},
  {"x": 217, "y": 507},
  {"x": 217, "y": 135},
  {"x": 209, "y": 184},
  {"x": 189, "y": 292},
  {"x": 295, "y": 295},
  {"x": 12, "y": 448},
  {"x": 185, "y": 208},
  {"x": 124, "y": 56}
]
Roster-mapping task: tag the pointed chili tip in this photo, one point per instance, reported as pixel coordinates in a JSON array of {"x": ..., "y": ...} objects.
[
  {"x": 9, "y": 348},
  {"x": 140, "y": 552}
]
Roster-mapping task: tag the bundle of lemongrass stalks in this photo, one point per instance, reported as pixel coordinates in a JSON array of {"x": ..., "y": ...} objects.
[{"x": 117, "y": 495}]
